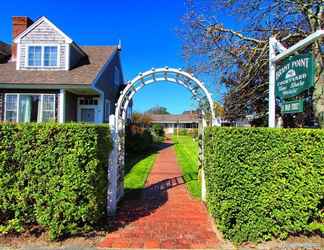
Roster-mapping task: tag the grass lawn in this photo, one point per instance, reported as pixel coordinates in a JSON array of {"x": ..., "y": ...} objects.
[
  {"x": 137, "y": 169},
  {"x": 187, "y": 157}
]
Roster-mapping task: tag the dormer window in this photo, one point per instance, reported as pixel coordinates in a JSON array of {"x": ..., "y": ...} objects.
[
  {"x": 50, "y": 56},
  {"x": 35, "y": 56},
  {"x": 42, "y": 56}
]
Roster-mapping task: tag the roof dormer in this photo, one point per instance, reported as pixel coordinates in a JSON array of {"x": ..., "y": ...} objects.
[{"x": 43, "y": 46}]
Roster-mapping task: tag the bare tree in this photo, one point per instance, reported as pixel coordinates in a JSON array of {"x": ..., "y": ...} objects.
[{"x": 240, "y": 55}]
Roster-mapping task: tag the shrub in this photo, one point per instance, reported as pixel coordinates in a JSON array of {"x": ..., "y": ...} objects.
[
  {"x": 158, "y": 133},
  {"x": 53, "y": 176},
  {"x": 157, "y": 130},
  {"x": 265, "y": 182},
  {"x": 138, "y": 140}
]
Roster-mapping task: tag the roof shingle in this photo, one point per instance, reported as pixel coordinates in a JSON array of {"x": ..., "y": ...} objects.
[{"x": 83, "y": 74}]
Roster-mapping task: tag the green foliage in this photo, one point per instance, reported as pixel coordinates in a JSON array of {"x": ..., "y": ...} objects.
[
  {"x": 265, "y": 182},
  {"x": 157, "y": 130},
  {"x": 158, "y": 133},
  {"x": 187, "y": 157},
  {"x": 138, "y": 141},
  {"x": 182, "y": 131},
  {"x": 158, "y": 110},
  {"x": 53, "y": 176},
  {"x": 193, "y": 132}
]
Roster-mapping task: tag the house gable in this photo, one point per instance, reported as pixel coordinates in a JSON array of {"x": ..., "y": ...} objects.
[
  {"x": 44, "y": 33},
  {"x": 43, "y": 30}
]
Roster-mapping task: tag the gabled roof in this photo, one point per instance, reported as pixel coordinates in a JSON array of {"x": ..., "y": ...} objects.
[
  {"x": 38, "y": 22},
  {"x": 84, "y": 74}
]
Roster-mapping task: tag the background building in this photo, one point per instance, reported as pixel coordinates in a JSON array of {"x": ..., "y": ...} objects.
[{"x": 172, "y": 123}]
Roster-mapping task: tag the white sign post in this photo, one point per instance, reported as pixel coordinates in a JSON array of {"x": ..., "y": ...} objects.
[{"x": 275, "y": 45}]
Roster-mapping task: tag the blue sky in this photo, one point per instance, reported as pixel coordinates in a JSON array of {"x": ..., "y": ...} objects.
[{"x": 146, "y": 29}]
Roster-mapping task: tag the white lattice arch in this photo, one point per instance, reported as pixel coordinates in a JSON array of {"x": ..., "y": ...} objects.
[
  {"x": 177, "y": 76},
  {"x": 117, "y": 121}
]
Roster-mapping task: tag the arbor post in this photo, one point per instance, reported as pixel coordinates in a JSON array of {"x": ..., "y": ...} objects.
[
  {"x": 112, "y": 169},
  {"x": 203, "y": 180},
  {"x": 272, "y": 79}
]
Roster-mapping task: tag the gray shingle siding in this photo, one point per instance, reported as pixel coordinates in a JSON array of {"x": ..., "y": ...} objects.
[
  {"x": 43, "y": 32},
  {"x": 41, "y": 35},
  {"x": 106, "y": 81}
]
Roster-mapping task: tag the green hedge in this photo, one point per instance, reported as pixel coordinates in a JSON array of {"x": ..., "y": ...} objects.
[
  {"x": 264, "y": 183},
  {"x": 53, "y": 176}
]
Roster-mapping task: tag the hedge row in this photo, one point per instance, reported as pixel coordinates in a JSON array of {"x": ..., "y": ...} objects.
[
  {"x": 52, "y": 176},
  {"x": 264, "y": 183}
]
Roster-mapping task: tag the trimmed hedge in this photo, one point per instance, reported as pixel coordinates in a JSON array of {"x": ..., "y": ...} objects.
[
  {"x": 264, "y": 183},
  {"x": 52, "y": 176}
]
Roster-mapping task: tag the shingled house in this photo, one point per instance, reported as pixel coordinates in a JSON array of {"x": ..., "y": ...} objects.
[{"x": 50, "y": 77}]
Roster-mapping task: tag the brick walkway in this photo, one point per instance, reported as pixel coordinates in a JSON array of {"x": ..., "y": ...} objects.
[{"x": 163, "y": 215}]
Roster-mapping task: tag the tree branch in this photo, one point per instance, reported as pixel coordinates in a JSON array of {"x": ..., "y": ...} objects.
[{"x": 218, "y": 28}]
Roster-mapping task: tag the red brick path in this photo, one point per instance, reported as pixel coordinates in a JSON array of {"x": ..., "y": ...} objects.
[{"x": 163, "y": 215}]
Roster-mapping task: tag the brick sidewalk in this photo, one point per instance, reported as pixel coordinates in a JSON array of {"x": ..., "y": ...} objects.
[{"x": 163, "y": 215}]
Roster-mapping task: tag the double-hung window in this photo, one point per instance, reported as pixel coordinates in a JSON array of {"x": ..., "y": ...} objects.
[
  {"x": 35, "y": 56},
  {"x": 29, "y": 107},
  {"x": 48, "y": 108},
  {"x": 11, "y": 107},
  {"x": 50, "y": 56},
  {"x": 42, "y": 56}
]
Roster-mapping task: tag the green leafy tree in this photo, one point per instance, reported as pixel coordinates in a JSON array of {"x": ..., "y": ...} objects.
[{"x": 158, "y": 110}]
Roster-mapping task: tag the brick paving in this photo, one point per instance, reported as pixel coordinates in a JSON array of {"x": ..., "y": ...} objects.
[{"x": 163, "y": 215}]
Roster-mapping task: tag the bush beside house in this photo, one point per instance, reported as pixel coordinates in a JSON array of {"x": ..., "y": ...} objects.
[
  {"x": 265, "y": 182},
  {"x": 53, "y": 176}
]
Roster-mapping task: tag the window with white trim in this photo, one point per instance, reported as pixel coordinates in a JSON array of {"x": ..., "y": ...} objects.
[
  {"x": 29, "y": 107},
  {"x": 48, "y": 111},
  {"x": 34, "y": 56},
  {"x": 11, "y": 108},
  {"x": 42, "y": 56},
  {"x": 50, "y": 56}
]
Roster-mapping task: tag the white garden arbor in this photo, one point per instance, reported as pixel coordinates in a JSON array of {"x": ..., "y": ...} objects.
[{"x": 117, "y": 122}]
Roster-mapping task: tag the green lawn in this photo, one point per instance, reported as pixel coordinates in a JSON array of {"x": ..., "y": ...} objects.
[
  {"x": 137, "y": 170},
  {"x": 187, "y": 157}
]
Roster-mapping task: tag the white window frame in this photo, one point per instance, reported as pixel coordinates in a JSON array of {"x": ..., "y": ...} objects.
[
  {"x": 39, "y": 119},
  {"x": 5, "y": 106},
  {"x": 42, "y": 55},
  {"x": 47, "y": 110},
  {"x": 88, "y": 106}
]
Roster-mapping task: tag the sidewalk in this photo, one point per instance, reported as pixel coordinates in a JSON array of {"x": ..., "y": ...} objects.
[{"x": 163, "y": 215}]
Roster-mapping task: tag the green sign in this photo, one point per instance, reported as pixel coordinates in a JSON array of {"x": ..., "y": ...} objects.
[
  {"x": 296, "y": 106},
  {"x": 295, "y": 75}
]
